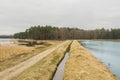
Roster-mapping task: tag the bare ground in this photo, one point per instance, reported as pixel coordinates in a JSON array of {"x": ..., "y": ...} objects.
[{"x": 17, "y": 69}]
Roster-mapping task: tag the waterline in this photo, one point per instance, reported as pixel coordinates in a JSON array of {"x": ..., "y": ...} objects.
[
  {"x": 107, "y": 52},
  {"x": 60, "y": 69}
]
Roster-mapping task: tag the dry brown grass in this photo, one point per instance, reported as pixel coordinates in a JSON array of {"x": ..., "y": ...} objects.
[
  {"x": 12, "y": 55},
  {"x": 11, "y": 51},
  {"x": 81, "y": 65},
  {"x": 18, "y": 41},
  {"x": 45, "y": 68}
]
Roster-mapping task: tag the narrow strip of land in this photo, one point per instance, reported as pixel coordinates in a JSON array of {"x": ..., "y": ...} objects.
[
  {"x": 17, "y": 69},
  {"x": 82, "y": 65}
]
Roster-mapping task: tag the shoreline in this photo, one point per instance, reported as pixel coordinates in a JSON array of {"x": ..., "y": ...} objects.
[
  {"x": 85, "y": 66},
  {"x": 114, "y": 40}
]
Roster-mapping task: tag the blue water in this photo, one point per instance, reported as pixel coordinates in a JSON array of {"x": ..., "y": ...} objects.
[{"x": 106, "y": 51}]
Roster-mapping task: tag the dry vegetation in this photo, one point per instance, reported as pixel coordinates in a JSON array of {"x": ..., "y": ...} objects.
[
  {"x": 45, "y": 68},
  {"x": 11, "y": 55},
  {"x": 11, "y": 51},
  {"x": 81, "y": 65}
]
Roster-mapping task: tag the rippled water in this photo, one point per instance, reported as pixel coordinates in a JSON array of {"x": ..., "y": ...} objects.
[
  {"x": 6, "y": 41},
  {"x": 106, "y": 51}
]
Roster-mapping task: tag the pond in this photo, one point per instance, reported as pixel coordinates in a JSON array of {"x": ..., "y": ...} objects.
[{"x": 107, "y": 52}]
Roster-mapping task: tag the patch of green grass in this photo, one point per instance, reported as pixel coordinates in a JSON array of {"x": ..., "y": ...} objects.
[{"x": 55, "y": 59}]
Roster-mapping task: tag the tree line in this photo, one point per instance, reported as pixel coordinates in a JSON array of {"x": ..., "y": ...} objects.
[
  {"x": 55, "y": 33},
  {"x": 6, "y": 36}
]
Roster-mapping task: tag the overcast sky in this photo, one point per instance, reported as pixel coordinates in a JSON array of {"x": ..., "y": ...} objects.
[{"x": 17, "y": 15}]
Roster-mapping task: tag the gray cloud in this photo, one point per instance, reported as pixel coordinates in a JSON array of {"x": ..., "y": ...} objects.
[{"x": 17, "y": 15}]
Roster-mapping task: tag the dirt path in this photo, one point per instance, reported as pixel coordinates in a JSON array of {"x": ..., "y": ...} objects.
[{"x": 17, "y": 69}]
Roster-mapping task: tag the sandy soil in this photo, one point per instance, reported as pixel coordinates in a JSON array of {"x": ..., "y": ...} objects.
[{"x": 16, "y": 70}]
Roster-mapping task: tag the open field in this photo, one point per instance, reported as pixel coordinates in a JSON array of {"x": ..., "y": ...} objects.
[
  {"x": 11, "y": 51},
  {"x": 12, "y": 55},
  {"x": 81, "y": 65},
  {"x": 45, "y": 68}
]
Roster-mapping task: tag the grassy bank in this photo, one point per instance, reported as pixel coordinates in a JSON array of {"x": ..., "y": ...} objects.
[
  {"x": 45, "y": 69},
  {"x": 81, "y": 65},
  {"x": 12, "y": 55}
]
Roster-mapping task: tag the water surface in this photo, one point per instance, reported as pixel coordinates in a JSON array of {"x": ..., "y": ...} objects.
[
  {"x": 106, "y": 51},
  {"x": 60, "y": 69},
  {"x": 6, "y": 41}
]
